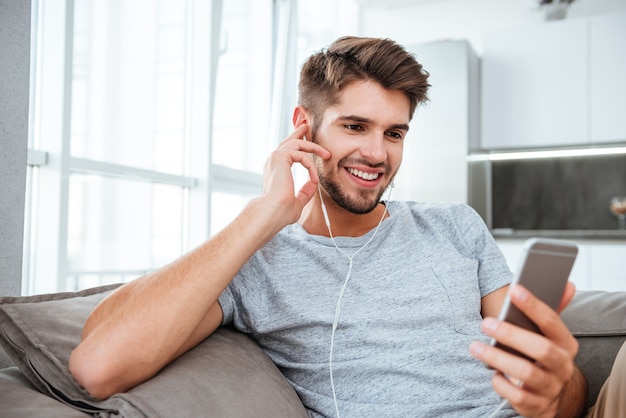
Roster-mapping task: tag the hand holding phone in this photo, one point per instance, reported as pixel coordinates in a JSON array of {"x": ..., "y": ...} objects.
[{"x": 544, "y": 269}]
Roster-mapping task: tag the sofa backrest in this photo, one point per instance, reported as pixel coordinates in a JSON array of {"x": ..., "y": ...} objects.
[{"x": 598, "y": 321}]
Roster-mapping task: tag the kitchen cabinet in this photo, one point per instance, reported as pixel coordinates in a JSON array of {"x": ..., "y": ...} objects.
[
  {"x": 607, "y": 268},
  {"x": 434, "y": 164},
  {"x": 608, "y": 80},
  {"x": 599, "y": 265},
  {"x": 534, "y": 86}
]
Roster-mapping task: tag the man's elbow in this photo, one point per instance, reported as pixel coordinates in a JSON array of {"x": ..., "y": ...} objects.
[{"x": 92, "y": 374}]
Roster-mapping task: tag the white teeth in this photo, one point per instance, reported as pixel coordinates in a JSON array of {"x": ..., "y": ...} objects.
[{"x": 365, "y": 176}]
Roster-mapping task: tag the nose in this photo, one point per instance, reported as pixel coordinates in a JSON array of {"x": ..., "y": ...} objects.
[{"x": 373, "y": 148}]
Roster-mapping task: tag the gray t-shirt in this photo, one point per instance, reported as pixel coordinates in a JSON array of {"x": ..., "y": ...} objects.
[{"x": 408, "y": 314}]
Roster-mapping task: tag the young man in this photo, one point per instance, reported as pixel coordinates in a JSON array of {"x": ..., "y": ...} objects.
[{"x": 369, "y": 308}]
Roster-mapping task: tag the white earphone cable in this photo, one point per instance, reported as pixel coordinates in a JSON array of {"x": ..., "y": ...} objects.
[{"x": 343, "y": 288}]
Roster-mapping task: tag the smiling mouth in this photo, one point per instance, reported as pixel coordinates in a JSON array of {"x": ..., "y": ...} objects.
[{"x": 362, "y": 175}]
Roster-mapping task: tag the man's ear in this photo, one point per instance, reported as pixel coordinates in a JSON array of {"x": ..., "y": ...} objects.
[{"x": 300, "y": 116}]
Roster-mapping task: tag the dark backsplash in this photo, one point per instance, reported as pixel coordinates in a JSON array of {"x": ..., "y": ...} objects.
[{"x": 557, "y": 194}]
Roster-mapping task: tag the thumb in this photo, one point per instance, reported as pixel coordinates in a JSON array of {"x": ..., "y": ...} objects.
[{"x": 306, "y": 192}]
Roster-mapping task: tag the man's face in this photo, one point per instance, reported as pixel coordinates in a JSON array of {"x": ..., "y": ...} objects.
[{"x": 365, "y": 134}]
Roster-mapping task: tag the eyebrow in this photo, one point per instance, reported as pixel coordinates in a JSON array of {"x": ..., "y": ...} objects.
[{"x": 360, "y": 119}]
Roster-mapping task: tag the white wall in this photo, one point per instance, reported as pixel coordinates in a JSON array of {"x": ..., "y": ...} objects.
[
  {"x": 464, "y": 19},
  {"x": 14, "y": 82}
]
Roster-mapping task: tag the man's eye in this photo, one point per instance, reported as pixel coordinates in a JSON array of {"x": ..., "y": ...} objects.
[
  {"x": 354, "y": 127},
  {"x": 395, "y": 135}
]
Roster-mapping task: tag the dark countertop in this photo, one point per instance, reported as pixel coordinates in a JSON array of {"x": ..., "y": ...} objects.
[{"x": 604, "y": 234}]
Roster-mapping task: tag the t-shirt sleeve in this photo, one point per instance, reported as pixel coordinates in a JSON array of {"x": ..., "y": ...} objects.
[
  {"x": 242, "y": 299},
  {"x": 493, "y": 271},
  {"x": 226, "y": 301}
]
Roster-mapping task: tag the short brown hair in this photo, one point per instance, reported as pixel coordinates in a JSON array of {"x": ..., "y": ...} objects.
[{"x": 349, "y": 59}]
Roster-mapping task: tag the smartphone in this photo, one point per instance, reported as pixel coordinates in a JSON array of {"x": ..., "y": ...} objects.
[{"x": 544, "y": 269}]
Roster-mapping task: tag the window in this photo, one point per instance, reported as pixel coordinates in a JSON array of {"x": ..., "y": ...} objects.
[{"x": 148, "y": 134}]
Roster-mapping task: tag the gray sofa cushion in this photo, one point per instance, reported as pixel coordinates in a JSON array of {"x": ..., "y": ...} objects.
[
  {"x": 598, "y": 320},
  {"x": 18, "y": 398},
  {"x": 225, "y": 375},
  {"x": 39, "y": 333},
  {"x": 5, "y": 361}
]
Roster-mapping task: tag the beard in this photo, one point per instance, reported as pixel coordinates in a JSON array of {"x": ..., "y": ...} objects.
[{"x": 362, "y": 203}]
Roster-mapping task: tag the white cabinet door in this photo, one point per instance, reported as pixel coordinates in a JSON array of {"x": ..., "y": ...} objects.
[
  {"x": 608, "y": 266},
  {"x": 608, "y": 77},
  {"x": 534, "y": 83}
]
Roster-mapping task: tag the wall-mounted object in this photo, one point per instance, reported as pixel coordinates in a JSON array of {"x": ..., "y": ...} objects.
[{"x": 554, "y": 9}]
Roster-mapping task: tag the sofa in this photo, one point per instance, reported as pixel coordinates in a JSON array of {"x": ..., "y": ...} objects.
[{"x": 227, "y": 375}]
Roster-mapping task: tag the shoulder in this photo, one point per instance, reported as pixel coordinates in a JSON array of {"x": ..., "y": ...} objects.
[
  {"x": 291, "y": 240},
  {"x": 436, "y": 211},
  {"x": 456, "y": 221}
]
